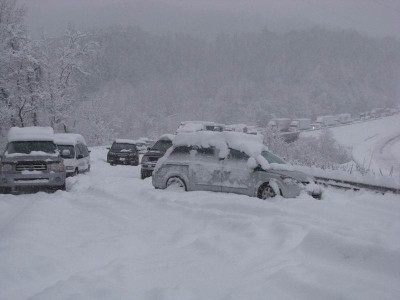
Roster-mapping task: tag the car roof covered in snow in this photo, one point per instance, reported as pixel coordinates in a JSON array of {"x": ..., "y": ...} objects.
[
  {"x": 16, "y": 134},
  {"x": 125, "y": 141},
  {"x": 167, "y": 137},
  {"x": 69, "y": 139},
  {"x": 250, "y": 144}
]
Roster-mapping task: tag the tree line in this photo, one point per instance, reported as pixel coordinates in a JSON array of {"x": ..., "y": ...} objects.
[{"x": 126, "y": 82}]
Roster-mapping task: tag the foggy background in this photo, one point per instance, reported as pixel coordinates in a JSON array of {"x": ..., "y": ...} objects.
[
  {"x": 119, "y": 68},
  {"x": 207, "y": 18}
]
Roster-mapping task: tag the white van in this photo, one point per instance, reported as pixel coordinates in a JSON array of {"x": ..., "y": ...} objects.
[{"x": 74, "y": 151}]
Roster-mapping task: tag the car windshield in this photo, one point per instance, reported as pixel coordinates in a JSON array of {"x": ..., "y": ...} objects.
[
  {"x": 162, "y": 145},
  {"x": 123, "y": 147},
  {"x": 67, "y": 147},
  {"x": 272, "y": 158},
  {"x": 26, "y": 147}
]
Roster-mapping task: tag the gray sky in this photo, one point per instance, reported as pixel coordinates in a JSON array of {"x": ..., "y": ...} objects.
[{"x": 210, "y": 17}]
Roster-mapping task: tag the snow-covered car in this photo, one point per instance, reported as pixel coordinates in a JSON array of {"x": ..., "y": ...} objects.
[
  {"x": 151, "y": 157},
  {"x": 31, "y": 161},
  {"x": 123, "y": 152},
  {"x": 74, "y": 151},
  {"x": 229, "y": 162}
]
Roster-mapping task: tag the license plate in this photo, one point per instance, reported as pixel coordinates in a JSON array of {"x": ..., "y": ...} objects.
[{"x": 122, "y": 159}]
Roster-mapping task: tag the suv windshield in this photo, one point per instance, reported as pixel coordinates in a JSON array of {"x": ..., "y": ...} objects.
[
  {"x": 67, "y": 147},
  {"x": 31, "y": 146},
  {"x": 272, "y": 158},
  {"x": 122, "y": 147},
  {"x": 162, "y": 145}
]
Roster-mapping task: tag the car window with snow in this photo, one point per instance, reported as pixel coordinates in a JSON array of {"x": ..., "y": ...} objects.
[
  {"x": 162, "y": 145},
  {"x": 71, "y": 149},
  {"x": 119, "y": 147},
  {"x": 237, "y": 155},
  {"x": 271, "y": 158},
  {"x": 26, "y": 147}
]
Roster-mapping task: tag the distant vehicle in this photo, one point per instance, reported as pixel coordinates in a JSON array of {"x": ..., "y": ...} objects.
[
  {"x": 123, "y": 152},
  {"x": 300, "y": 124},
  {"x": 31, "y": 160},
  {"x": 157, "y": 151},
  {"x": 325, "y": 121},
  {"x": 343, "y": 118},
  {"x": 74, "y": 151},
  {"x": 193, "y": 126},
  {"x": 229, "y": 162},
  {"x": 243, "y": 128},
  {"x": 280, "y": 124}
]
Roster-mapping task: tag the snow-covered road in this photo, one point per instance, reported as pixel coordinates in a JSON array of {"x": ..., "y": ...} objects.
[
  {"x": 375, "y": 144},
  {"x": 113, "y": 236}
]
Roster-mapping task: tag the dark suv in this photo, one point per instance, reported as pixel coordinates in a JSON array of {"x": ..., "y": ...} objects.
[
  {"x": 123, "y": 152},
  {"x": 158, "y": 150}
]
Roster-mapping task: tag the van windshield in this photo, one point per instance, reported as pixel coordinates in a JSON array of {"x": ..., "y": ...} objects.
[
  {"x": 67, "y": 147},
  {"x": 27, "y": 147}
]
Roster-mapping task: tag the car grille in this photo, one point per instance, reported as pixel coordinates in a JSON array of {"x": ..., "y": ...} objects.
[
  {"x": 31, "y": 166},
  {"x": 153, "y": 158}
]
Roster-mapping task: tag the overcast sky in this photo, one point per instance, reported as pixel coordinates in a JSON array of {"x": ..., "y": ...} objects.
[{"x": 208, "y": 17}]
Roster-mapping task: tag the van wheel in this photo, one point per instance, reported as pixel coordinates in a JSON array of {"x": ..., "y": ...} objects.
[
  {"x": 76, "y": 172},
  {"x": 176, "y": 183},
  {"x": 265, "y": 192}
]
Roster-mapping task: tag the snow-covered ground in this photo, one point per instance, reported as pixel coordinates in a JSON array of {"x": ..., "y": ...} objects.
[
  {"x": 375, "y": 144},
  {"x": 113, "y": 236}
]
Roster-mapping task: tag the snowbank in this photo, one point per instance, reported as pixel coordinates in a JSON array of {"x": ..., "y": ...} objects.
[{"x": 113, "y": 236}]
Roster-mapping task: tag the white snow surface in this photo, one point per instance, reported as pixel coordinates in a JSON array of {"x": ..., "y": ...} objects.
[
  {"x": 113, "y": 236},
  {"x": 16, "y": 134},
  {"x": 374, "y": 144}
]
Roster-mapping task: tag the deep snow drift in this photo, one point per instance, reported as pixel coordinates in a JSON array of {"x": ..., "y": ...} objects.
[{"x": 113, "y": 236}]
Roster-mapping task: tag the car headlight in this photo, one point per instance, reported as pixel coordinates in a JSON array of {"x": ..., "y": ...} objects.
[
  {"x": 69, "y": 168},
  {"x": 145, "y": 159},
  {"x": 57, "y": 166},
  {"x": 5, "y": 167},
  {"x": 290, "y": 181}
]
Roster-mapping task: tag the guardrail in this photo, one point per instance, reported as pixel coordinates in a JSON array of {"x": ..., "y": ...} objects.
[{"x": 350, "y": 185}]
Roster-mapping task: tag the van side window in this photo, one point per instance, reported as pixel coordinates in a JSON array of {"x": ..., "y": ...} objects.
[
  {"x": 78, "y": 150},
  {"x": 83, "y": 150},
  {"x": 182, "y": 150},
  {"x": 237, "y": 155},
  {"x": 206, "y": 151}
]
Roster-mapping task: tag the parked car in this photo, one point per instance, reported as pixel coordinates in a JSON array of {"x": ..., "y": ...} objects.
[
  {"x": 193, "y": 126},
  {"x": 229, "y": 162},
  {"x": 300, "y": 124},
  {"x": 325, "y": 121},
  {"x": 123, "y": 152},
  {"x": 280, "y": 124},
  {"x": 150, "y": 158},
  {"x": 31, "y": 161},
  {"x": 74, "y": 151}
]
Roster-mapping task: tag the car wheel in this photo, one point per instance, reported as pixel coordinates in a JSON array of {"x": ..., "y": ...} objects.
[
  {"x": 265, "y": 192},
  {"x": 177, "y": 183},
  {"x": 88, "y": 169},
  {"x": 63, "y": 187},
  {"x": 76, "y": 172}
]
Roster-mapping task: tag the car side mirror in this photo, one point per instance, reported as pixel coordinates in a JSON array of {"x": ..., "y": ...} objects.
[
  {"x": 258, "y": 168},
  {"x": 79, "y": 156},
  {"x": 108, "y": 148},
  {"x": 148, "y": 148},
  {"x": 89, "y": 151},
  {"x": 65, "y": 153}
]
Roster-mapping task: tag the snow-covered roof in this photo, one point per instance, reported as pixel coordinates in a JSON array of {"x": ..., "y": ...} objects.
[
  {"x": 16, "y": 134},
  {"x": 167, "y": 137},
  {"x": 250, "y": 144},
  {"x": 68, "y": 139},
  {"x": 193, "y": 126},
  {"x": 125, "y": 141}
]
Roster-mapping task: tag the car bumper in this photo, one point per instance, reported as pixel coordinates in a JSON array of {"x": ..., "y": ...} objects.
[{"x": 17, "y": 180}]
